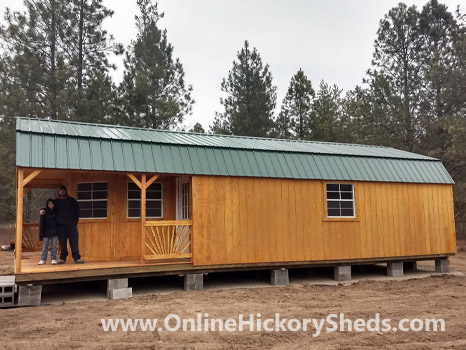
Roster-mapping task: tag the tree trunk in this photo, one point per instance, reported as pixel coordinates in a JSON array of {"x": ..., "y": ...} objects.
[
  {"x": 81, "y": 44},
  {"x": 53, "y": 69}
]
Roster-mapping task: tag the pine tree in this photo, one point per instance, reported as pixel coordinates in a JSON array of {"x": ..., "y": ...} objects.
[
  {"x": 294, "y": 118},
  {"x": 251, "y": 97},
  {"x": 153, "y": 92},
  {"x": 396, "y": 76},
  {"x": 53, "y": 64},
  {"x": 326, "y": 113},
  {"x": 88, "y": 45},
  {"x": 198, "y": 128}
]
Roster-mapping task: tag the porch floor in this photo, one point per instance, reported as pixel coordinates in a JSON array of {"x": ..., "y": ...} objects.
[{"x": 30, "y": 271}]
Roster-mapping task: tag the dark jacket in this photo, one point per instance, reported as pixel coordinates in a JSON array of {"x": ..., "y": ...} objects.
[
  {"x": 48, "y": 226},
  {"x": 67, "y": 210}
]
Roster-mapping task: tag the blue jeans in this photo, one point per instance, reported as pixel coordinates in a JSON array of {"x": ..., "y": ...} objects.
[{"x": 45, "y": 248}]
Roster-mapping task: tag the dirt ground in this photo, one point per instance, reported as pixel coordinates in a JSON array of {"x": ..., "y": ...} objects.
[{"x": 77, "y": 324}]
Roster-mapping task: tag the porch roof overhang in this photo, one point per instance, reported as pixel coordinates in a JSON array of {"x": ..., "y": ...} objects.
[{"x": 76, "y": 146}]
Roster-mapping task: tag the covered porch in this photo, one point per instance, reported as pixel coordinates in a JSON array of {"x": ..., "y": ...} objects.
[{"x": 126, "y": 219}]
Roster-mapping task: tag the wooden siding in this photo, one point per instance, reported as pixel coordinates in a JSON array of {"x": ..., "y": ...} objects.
[
  {"x": 116, "y": 237},
  {"x": 255, "y": 220}
]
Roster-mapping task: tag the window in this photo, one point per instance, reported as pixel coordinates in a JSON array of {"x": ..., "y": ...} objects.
[
  {"x": 183, "y": 199},
  {"x": 153, "y": 201},
  {"x": 340, "y": 200},
  {"x": 92, "y": 198}
]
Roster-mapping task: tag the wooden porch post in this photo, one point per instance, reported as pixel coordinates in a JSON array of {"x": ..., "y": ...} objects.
[
  {"x": 20, "y": 183},
  {"x": 143, "y": 216},
  {"x": 19, "y": 220}
]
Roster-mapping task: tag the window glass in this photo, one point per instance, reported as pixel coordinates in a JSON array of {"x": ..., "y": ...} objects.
[
  {"x": 340, "y": 200},
  {"x": 92, "y": 198}
]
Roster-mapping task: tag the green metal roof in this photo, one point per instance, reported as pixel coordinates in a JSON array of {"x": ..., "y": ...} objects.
[{"x": 69, "y": 145}]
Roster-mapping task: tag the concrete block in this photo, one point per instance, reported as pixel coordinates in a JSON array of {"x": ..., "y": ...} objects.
[
  {"x": 120, "y": 293},
  {"x": 342, "y": 273},
  {"x": 194, "y": 281},
  {"x": 442, "y": 265},
  {"x": 7, "y": 291},
  {"x": 279, "y": 278},
  {"x": 395, "y": 269},
  {"x": 117, "y": 283},
  {"x": 29, "y": 295},
  {"x": 410, "y": 265}
]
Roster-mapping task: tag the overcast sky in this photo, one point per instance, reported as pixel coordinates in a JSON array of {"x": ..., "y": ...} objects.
[{"x": 330, "y": 40}]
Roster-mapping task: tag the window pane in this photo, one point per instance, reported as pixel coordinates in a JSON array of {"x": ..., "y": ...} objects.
[
  {"x": 134, "y": 195},
  {"x": 347, "y": 212},
  {"x": 134, "y": 204},
  {"x": 156, "y": 186},
  {"x": 333, "y": 204},
  {"x": 152, "y": 213},
  {"x": 154, "y": 204},
  {"x": 99, "y": 186},
  {"x": 100, "y": 213},
  {"x": 154, "y": 195},
  {"x": 132, "y": 186},
  {"x": 84, "y": 195},
  {"x": 85, "y": 213},
  {"x": 84, "y": 187},
  {"x": 333, "y": 187},
  {"x": 100, "y": 205},
  {"x": 346, "y": 187},
  {"x": 85, "y": 205},
  {"x": 346, "y": 205},
  {"x": 99, "y": 195},
  {"x": 346, "y": 195},
  {"x": 333, "y": 195},
  {"x": 333, "y": 212},
  {"x": 134, "y": 213}
]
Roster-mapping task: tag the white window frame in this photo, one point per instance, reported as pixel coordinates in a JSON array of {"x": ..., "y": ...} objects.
[
  {"x": 340, "y": 200},
  {"x": 92, "y": 200},
  {"x": 147, "y": 200}
]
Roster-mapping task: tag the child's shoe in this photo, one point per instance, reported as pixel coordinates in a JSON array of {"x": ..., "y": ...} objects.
[
  {"x": 42, "y": 262},
  {"x": 54, "y": 262}
]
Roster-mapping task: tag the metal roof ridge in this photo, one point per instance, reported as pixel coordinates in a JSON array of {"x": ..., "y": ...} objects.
[
  {"x": 201, "y": 134},
  {"x": 427, "y": 158}
]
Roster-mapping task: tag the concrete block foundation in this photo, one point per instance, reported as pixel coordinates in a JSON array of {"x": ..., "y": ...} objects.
[
  {"x": 442, "y": 265},
  {"x": 7, "y": 291},
  {"x": 193, "y": 281},
  {"x": 29, "y": 295},
  {"x": 118, "y": 289},
  {"x": 395, "y": 269},
  {"x": 342, "y": 273},
  {"x": 279, "y": 278}
]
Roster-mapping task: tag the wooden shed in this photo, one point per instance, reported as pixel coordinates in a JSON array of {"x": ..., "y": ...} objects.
[{"x": 164, "y": 202}]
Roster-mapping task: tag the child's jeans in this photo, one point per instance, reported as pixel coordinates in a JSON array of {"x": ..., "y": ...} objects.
[{"x": 45, "y": 248}]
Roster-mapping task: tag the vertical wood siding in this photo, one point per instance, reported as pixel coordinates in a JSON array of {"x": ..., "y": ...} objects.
[
  {"x": 257, "y": 220},
  {"x": 116, "y": 237}
]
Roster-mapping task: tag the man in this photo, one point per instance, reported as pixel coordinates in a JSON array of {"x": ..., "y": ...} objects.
[{"x": 67, "y": 220}]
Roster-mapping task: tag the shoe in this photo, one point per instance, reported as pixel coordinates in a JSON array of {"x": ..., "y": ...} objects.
[
  {"x": 54, "y": 262},
  {"x": 61, "y": 262},
  {"x": 42, "y": 262},
  {"x": 79, "y": 261}
]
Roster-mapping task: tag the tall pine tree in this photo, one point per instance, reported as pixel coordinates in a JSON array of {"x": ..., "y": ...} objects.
[
  {"x": 396, "y": 75},
  {"x": 251, "y": 97},
  {"x": 153, "y": 92},
  {"x": 326, "y": 113},
  {"x": 53, "y": 64},
  {"x": 294, "y": 118}
]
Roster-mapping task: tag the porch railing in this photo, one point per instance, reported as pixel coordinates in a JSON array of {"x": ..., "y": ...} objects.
[
  {"x": 168, "y": 240},
  {"x": 30, "y": 241}
]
